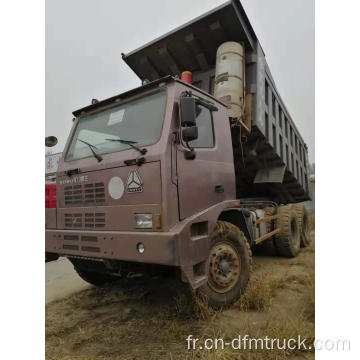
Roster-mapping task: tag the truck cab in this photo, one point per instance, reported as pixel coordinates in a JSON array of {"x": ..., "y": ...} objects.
[{"x": 128, "y": 190}]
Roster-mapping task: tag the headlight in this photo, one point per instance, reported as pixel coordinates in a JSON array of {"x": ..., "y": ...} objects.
[{"x": 143, "y": 221}]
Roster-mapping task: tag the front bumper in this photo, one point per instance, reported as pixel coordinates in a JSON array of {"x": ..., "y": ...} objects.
[{"x": 160, "y": 248}]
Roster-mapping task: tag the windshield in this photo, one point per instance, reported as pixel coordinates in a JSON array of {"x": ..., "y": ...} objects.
[{"x": 137, "y": 122}]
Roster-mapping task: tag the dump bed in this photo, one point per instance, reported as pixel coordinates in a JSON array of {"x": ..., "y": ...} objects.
[{"x": 273, "y": 162}]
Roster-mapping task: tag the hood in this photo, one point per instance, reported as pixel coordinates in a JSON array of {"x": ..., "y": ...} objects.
[{"x": 108, "y": 199}]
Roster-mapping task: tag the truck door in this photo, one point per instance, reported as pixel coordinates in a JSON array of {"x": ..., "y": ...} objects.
[{"x": 209, "y": 178}]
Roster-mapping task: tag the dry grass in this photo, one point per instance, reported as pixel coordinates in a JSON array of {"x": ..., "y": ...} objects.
[
  {"x": 309, "y": 298},
  {"x": 302, "y": 278},
  {"x": 260, "y": 292},
  {"x": 150, "y": 319},
  {"x": 193, "y": 307},
  {"x": 112, "y": 324}
]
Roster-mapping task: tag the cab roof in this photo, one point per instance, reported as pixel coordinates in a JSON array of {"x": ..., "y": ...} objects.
[{"x": 165, "y": 79}]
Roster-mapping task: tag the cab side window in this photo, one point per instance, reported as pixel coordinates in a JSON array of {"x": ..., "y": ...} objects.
[{"x": 204, "y": 122}]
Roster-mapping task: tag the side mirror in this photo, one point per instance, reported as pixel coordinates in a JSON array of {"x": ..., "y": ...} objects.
[
  {"x": 188, "y": 111},
  {"x": 51, "y": 141},
  {"x": 189, "y": 133}
]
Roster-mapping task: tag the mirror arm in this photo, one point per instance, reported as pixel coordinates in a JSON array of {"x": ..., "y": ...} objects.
[
  {"x": 190, "y": 154},
  {"x": 207, "y": 104},
  {"x": 188, "y": 146},
  {"x": 188, "y": 151}
]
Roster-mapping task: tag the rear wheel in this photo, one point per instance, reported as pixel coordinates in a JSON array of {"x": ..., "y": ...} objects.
[
  {"x": 228, "y": 265},
  {"x": 51, "y": 257},
  {"x": 288, "y": 240},
  {"x": 303, "y": 221},
  {"x": 268, "y": 246}
]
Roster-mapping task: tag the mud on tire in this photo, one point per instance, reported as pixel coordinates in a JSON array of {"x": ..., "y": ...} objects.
[
  {"x": 228, "y": 266},
  {"x": 288, "y": 240},
  {"x": 303, "y": 221}
]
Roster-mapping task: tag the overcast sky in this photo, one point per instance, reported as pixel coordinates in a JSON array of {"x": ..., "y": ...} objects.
[{"x": 85, "y": 39}]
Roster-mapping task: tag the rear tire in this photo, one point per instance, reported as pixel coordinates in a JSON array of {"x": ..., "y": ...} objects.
[
  {"x": 228, "y": 266},
  {"x": 268, "y": 246},
  {"x": 288, "y": 240},
  {"x": 51, "y": 257},
  {"x": 303, "y": 220}
]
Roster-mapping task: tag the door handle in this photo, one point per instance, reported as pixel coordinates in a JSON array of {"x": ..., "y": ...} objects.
[{"x": 219, "y": 188}]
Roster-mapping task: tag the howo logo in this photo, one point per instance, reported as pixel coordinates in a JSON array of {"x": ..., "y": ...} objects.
[{"x": 134, "y": 182}]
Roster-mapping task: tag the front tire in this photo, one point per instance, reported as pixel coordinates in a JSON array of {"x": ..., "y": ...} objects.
[
  {"x": 228, "y": 266},
  {"x": 95, "y": 278},
  {"x": 92, "y": 272}
]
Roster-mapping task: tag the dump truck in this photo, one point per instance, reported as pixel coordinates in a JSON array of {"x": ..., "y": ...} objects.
[{"x": 190, "y": 171}]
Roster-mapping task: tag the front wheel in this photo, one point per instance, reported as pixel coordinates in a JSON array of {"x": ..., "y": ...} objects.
[
  {"x": 95, "y": 278},
  {"x": 92, "y": 272},
  {"x": 228, "y": 266}
]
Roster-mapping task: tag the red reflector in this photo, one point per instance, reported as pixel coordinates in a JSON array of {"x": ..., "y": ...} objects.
[{"x": 50, "y": 196}]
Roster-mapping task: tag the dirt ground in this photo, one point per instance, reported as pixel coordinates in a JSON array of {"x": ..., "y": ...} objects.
[{"x": 151, "y": 318}]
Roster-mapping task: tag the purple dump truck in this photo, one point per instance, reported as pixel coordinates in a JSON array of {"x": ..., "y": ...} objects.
[{"x": 184, "y": 177}]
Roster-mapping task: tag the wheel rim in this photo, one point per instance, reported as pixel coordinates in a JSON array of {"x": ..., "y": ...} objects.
[{"x": 223, "y": 267}]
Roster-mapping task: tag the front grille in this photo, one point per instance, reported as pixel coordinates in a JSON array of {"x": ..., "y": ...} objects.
[
  {"x": 71, "y": 237},
  {"x": 90, "y": 249},
  {"x": 89, "y": 238},
  {"x": 87, "y": 220},
  {"x": 73, "y": 220},
  {"x": 95, "y": 220},
  {"x": 86, "y": 194},
  {"x": 83, "y": 245},
  {"x": 83, "y": 248},
  {"x": 70, "y": 247}
]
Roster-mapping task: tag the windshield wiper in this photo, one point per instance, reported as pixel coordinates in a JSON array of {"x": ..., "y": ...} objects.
[
  {"x": 91, "y": 147},
  {"x": 131, "y": 144}
]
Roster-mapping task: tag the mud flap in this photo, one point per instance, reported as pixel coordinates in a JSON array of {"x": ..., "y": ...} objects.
[{"x": 195, "y": 280}]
